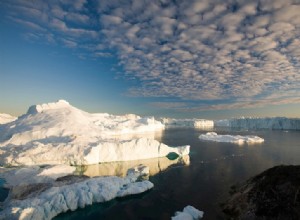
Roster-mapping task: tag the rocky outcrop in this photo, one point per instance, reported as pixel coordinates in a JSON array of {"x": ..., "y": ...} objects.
[{"x": 273, "y": 194}]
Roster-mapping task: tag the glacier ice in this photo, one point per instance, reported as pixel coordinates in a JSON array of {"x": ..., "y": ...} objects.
[
  {"x": 238, "y": 139},
  {"x": 57, "y": 199},
  {"x": 35, "y": 174},
  {"x": 58, "y": 133},
  {"x": 195, "y": 123},
  {"x": 189, "y": 213},
  {"x": 274, "y": 123},
  {"x": 6, "y": 118}
]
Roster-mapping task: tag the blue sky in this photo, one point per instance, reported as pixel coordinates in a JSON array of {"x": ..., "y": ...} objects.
[{"x": 207, "y": 59}]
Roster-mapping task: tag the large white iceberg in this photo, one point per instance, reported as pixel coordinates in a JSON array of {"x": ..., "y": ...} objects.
[
  {"x": 6, "y": 118},
  {"x": 57, "y": 199},
  {"x": 238, "y": 139},
  {"x": 58, "y": 133}
]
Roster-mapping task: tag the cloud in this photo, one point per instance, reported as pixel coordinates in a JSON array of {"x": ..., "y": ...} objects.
[{"x": 187, "y": 50}]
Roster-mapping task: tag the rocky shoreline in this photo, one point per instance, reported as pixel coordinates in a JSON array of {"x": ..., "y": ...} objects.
[{"x": 273, "y": 194}]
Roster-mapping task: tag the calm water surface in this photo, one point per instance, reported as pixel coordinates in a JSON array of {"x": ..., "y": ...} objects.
[{"x": 203, "y": 179}]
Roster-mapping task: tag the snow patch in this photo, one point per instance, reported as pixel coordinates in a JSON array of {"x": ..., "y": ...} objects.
[
  {"x": 35, "y": 174},
  {"x": 238, "y": 139},
  {"x": 47, "y": 106},
  {"x": 188, "y": 213},
  {"x": 6, "y": 118}
]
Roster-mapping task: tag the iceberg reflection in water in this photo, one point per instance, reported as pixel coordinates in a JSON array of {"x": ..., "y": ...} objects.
[{"x": 155, "y": 165}]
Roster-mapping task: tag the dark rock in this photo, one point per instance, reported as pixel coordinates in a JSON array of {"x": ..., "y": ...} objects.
[
  {"x": 70, "y": 179},
  {"x": 273, "y": 194}
]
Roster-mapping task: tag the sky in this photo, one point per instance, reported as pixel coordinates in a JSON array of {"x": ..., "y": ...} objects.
[{"x": 210, "y": 59}]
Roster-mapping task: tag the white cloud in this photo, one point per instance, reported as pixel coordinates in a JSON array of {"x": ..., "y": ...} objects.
[{"x": 189, "y": 50}]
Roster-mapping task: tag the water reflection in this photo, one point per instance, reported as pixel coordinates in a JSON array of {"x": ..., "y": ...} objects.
[{"x": 155, "y": 165}]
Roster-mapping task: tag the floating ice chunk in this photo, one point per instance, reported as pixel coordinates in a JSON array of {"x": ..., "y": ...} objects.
[
  {"x": 59, "y": 199},
  {"x": 188, "y": 213},
  {"x": 238, "y": 139}
]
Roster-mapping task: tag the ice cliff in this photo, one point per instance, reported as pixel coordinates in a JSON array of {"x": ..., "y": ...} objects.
[
  {"x": 58, "y": 133},
  {"x": 275, "y": 123}
]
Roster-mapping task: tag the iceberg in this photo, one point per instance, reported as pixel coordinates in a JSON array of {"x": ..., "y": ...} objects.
[
  {"x": 188, "y": 213},
  {"x": 58, "y": 198},
  {"x": 35, "y": 174},
  {"x": 238, "y": 139},
  {"x": 6, "y": 118},
  {"x": 194, "y": 123},
  {"x": 221, "y": 123},
  {"x": 58, "y": 133},
  {"x": 277, "y": 123}
]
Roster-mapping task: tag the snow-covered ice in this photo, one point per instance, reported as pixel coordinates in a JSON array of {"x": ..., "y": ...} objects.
[
  {"x": 58, "y": 199},
  {"x": 6, "y": 118},
  {"x": 188, "y": 213},
  {"x": 58, "y": 133},
  {"x": 36, "y": 174},
  {"x": 195, "y": 123},
  {"x": 238, "y": 139}
]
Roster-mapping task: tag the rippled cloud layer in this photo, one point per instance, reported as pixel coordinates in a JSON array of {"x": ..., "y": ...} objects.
[{"x": 241, "y": 54}]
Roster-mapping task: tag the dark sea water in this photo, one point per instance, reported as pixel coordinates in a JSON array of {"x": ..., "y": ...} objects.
[{"x": 202, "y": 180}]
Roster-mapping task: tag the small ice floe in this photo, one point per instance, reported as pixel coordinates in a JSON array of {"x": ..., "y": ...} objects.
[
  {"x": 188, "y": 213},
  {"x": 238, "y": 139}
]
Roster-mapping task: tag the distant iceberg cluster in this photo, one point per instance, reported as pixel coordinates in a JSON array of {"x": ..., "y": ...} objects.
[
  {"x": 238, "y": 139},
  {"x": 196, "y": 123},
  {"x": 275, "y": 123}
]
